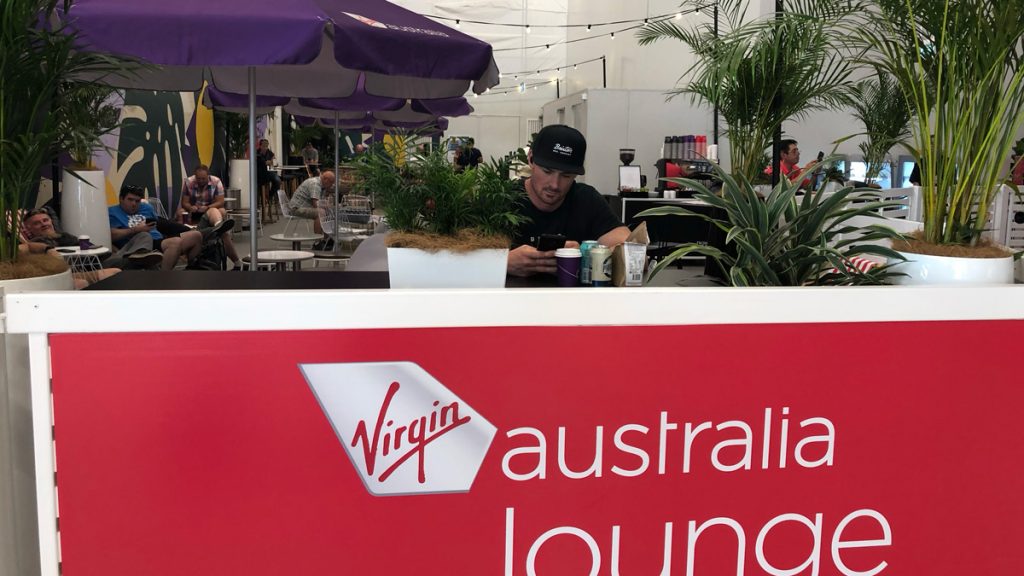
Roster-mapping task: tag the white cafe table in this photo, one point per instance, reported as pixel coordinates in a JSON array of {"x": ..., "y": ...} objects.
[
  {"x": 83, "y": 260},
  {"x": 282, "y": 257},
  {"x": 295, "y": 239}
]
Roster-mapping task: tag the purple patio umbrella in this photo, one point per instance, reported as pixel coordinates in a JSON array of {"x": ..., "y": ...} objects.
[
  {"x": 360, "y": 111},
  {"x": 298, "y": 48}
]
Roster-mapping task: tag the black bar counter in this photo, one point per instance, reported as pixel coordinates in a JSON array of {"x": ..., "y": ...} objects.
[{"x": 325, "y": 280}]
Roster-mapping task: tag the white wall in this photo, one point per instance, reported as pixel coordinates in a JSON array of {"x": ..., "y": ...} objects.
[
  {"x": 612, "y": 119},
  {"x": 495, "y": 136},
  {"x": 656, "y": 69}
]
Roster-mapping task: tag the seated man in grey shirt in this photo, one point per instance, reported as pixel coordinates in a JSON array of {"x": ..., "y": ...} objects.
[{"x": 305, "y": 200}]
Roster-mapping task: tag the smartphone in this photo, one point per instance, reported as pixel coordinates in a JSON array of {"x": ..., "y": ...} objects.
[
  {"x": 821, "y": 155},
  {"x": 549, "y": 242},
  {"x": 150, "y": 220}
]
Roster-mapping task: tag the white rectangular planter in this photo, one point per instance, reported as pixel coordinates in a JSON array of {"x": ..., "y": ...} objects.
[{"x": 414, "y": 268}]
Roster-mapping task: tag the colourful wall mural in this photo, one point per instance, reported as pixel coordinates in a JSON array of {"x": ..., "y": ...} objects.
[{"x": 163, "y": 136}]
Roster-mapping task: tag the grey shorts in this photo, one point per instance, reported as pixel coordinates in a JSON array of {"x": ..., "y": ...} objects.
[
  {"x": 202, "y": 221},
  {"x": 310, "y": 213}
]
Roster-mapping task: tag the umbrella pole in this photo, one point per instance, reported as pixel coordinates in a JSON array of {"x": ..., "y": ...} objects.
[
  {"x": 253, "y": 192},
  {"x": 337, "y": 187}
]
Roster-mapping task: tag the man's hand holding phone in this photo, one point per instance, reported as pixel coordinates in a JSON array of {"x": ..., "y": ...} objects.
[
  {"x": 528, "y": 260},
  {"x": 550, "y": 242}
]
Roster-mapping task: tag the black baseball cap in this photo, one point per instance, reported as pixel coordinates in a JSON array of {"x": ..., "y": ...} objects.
[{"x": 560, "y": 147}]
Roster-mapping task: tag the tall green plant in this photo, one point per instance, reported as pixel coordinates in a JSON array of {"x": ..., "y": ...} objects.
[
  {"x": 784, "y": 241},
  {"x": 426, "y": 195},
  {"x": 34, "y": 60},
  {"x": 880, "y": 106},
  {"x": 761, "y": 73},
  {"x": 236, "y": 133},
  {"x": 86, "y": 113},
  {"x": 959, "y": 65}
]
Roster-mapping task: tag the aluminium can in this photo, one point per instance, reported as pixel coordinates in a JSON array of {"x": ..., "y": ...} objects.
[
  {"x": 585, "y": 261},
  {"x": 600, "y": 266}
]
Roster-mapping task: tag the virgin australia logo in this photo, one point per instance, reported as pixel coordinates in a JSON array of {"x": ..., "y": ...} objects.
[
  {"x": 397, "y": 27},
  {"x": 565, "y": 150},
  {"x": 404, "y": 431}
]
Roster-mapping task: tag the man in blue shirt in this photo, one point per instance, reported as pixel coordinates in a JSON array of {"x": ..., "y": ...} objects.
[{"x": 132, "y": 217}]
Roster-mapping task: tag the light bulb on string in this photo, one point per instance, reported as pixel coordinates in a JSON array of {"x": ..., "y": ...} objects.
[
  {"x": 458, "y": 24},
  {"x": 679, "y": 15},
  {"x": 613, "y": 35},
  {"x": 527, "y": 28}
]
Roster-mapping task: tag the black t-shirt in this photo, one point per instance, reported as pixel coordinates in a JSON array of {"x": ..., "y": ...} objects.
[
  {"x": 262, "y": 173},
  {"x": 470, "y": 159},
  {"x": 584, "y": 215}
]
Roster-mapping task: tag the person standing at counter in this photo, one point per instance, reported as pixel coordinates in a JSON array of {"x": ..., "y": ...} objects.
[
  {"x": 556, "y": 204},
  {"x": 311, "y": 159}
]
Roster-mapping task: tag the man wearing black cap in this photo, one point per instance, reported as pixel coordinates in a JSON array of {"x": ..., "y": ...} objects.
[{"x": 557, "y": 204}]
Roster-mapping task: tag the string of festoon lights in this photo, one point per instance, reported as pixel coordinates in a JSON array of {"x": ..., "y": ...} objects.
[
  {"x": 522, "y": 88},
  {"x": 527, "y": 74},
  {"x": 634, "y": 24}
]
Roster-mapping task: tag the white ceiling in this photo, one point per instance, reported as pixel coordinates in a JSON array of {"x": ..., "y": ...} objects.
[{"x": 509, "y": 42}]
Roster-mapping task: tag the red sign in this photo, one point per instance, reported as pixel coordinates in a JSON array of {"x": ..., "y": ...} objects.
[{"x": 854, "y": 449}]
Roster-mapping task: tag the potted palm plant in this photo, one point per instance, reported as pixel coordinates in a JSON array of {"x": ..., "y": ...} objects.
[
  {"x": 236, "y": 138},
  {"x": 448, "y": 228},
  {"x": 880, "y": 106},
  {"x": 34, "y": 60},
  {"x": 819, "y": 239},
  {"x": 87, "y": 112},
  {"x": 760, "y": 73},
  {"x": 958, "y": 65}
]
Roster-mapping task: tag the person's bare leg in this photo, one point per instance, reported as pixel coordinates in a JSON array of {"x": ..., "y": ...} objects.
[
  {"x": 214, "y": 215},
  {"x": 317, "y": 227},
  {"x": 229, "y": 249},
  {"x": 191, "y": 244},
  {"x": 171, "y": 248}
]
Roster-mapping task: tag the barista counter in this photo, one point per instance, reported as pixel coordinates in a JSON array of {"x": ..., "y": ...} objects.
[{"x": 538, "y": 432}]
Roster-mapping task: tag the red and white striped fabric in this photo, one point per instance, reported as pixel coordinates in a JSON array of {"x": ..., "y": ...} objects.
[{"x": 860, "y": 264}]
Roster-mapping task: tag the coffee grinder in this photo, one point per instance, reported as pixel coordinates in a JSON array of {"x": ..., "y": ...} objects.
[{"x": 630, "y": 179}]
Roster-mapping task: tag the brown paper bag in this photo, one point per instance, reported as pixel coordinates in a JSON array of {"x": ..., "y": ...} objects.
[{"x": 629, "y": 259}]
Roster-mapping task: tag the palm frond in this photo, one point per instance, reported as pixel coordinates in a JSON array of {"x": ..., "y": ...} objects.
[{"x": 778, "y": 241}]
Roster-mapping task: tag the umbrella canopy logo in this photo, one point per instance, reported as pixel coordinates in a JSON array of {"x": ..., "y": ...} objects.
[
  {"x": 378, "y": 24},
  {"x": 404, "y": 431}
]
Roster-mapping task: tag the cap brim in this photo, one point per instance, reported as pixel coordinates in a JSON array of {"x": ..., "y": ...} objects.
[{"x": 560, "y": 166}]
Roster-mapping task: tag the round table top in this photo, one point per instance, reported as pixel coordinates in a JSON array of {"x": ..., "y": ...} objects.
[
  {"x": 76, "y": 251},
  {"x": 284, "y": 255},
  {"x": 295, "y": 237}
]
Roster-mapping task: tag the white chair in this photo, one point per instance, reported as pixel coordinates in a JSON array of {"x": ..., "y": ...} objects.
[
  {"x": 158, "y": 206},
  {"x": 357, "y": 214},
  {"x": 292, "y": 221},
  {"x": 908, "y": 200},
  {"x": 328, "y": 223},
  {"x": 370, "y": 256}
]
